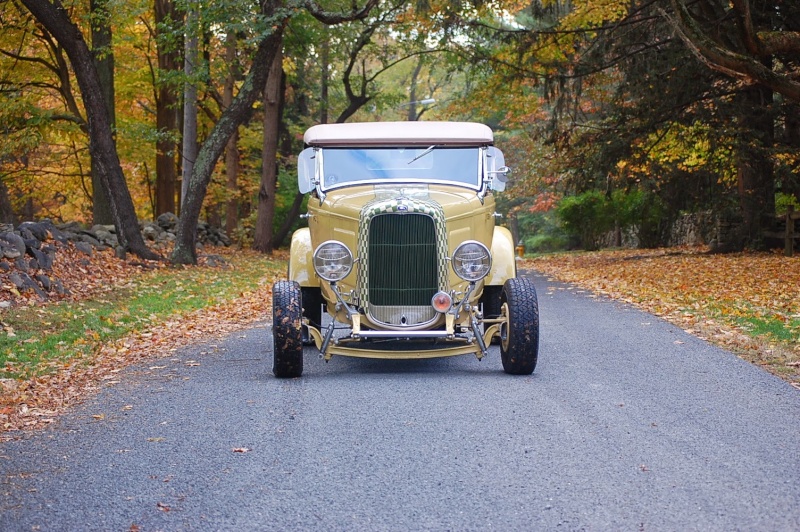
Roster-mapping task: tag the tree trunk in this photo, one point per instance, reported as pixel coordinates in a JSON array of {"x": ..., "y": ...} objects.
[
  {"x": 412, "y": 105},
  {"x": 189, "y": 154},
  {"x": 239, "y": 111},
  {"x": 791, "y": 184},
  {"x": 6, "y": 210},
  {"x": 325, "y": 79},
  {"x": 756, "y": 182},
  {"x": 53, "y": 16},
  {"x": 104, "y": 63},
  {"x": 231, "y": 150},
  {"x": 166, "y": 112},
  {"x": 262, "y": 240}
]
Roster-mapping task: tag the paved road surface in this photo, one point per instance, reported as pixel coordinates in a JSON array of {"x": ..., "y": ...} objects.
[{"x": 628, "y": 423}]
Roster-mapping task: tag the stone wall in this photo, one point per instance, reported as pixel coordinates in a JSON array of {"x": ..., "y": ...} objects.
[
  {"x": 27, "y": 252},
  {"x": 695, "y": 229},
  {"x": 718, "y": 232}
]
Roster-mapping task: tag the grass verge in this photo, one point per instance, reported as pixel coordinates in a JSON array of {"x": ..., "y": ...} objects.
[{"x": 37, "y": 340}]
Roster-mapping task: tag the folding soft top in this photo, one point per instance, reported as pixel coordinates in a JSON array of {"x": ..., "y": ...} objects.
[{"x": 399, "y": 134}]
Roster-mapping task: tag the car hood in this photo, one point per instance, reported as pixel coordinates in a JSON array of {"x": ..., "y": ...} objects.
[{"x": 349, "y": 201}]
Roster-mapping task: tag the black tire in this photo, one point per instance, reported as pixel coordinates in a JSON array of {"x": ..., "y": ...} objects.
[
  {"x": 287, "y": 331},
  {"x": 312, "y": 310},
  {"x": 519, "y": 339}
]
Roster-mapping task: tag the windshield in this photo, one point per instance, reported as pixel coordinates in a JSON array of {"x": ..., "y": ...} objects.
[{"x": 431, "y": 164}]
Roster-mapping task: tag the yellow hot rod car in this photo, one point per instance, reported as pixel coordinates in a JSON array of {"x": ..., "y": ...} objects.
[{"x": 402, "y": 250}]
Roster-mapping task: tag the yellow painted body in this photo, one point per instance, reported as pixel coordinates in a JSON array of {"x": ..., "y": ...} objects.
[{"x": 337, "y": 218}]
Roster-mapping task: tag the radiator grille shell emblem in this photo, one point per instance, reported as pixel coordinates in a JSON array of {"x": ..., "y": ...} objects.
[{"x": 403, "y": 250}]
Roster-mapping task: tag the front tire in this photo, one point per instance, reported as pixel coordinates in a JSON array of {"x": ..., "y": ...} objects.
[
  {"x": 519, "y": 336},
  {"x": 287, "y": 332}
]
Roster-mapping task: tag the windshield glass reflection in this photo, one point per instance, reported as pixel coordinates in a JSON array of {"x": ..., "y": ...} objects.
[{"x": 348, "y": 166}]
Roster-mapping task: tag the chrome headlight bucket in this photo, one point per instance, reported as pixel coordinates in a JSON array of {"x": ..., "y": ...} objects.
[
  {"x": 472, "y": 261},
  {"x": 333, "y": 261}
]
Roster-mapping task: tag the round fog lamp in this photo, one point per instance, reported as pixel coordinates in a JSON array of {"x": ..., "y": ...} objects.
[
  {"x": 472, "y": 261},
  {"x": 441, "y": 302},
  {"x": 333, "y": 261}
]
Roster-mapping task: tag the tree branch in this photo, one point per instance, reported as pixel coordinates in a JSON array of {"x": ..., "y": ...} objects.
[
  {"x": 330, "y": 18},
  {"x": 726, "y": 61}
]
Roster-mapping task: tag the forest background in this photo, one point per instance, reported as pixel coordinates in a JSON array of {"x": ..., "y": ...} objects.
[{"x": 616, "y": 116}]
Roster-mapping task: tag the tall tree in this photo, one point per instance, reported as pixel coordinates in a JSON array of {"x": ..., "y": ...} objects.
[
  {"x": 166, "y": 98},
  {"x": 232, "y": 149},
  {"x": 190, "y": 63},
  {"x": 759, "y": 44},
  {"x": 277, "y": 16},
  {"x": 104, "y": 63},
  {"x": 262, "y": 240},
  {"x": 54, "y": 18}
]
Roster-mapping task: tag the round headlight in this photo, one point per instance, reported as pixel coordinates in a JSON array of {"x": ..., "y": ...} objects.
[
  {"x": 333, "y": 261},
  {"x": 472, "y": 261}
]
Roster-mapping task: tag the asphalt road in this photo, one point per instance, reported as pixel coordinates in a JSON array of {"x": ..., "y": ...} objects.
[{"x": 628, "y": 423}]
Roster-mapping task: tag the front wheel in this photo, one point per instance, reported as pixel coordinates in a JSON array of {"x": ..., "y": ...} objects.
[
  {"x": 287, "y": 332},
  {"x": 519, "y": 336}
]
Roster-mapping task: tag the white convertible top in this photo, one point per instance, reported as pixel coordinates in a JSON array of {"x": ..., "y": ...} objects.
[{"x": 399, "y": 133}]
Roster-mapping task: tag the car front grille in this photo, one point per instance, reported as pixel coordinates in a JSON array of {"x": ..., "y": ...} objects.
[{"x": 403, "y": 268}]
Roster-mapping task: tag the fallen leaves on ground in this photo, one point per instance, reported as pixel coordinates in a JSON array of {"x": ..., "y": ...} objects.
[
  {"x": 83, "y": 276},
  {"x": 37, "y": 401},
  {"x": 721, "y": 298}
]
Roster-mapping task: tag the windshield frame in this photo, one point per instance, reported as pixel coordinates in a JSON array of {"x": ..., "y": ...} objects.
[{"x": 325, "y": 185}]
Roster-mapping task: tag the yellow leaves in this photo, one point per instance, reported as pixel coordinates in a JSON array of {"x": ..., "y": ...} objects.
[
  {"x": 593, "y": 13},
  {"x": 688, "y": 148}
]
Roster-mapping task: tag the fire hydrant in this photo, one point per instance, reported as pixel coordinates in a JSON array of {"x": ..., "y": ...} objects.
[{"x": 520, "y": 249}]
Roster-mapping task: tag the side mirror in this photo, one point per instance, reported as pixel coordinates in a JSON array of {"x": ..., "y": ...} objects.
[
  {"x": 496, "y": 169},
  {"x": 306, "y": 171}
]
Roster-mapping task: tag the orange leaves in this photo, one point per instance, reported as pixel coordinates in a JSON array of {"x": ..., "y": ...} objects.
[{"x": 747, "y": 302}]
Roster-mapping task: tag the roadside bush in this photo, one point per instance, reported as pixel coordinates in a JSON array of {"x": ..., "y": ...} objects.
[
  {"x": 646, "y": 212},
  {"x": 591, "y": 215},
  {"x": 540, "y": 232},
  {"x": 587, "y": 216},
  {"x": 546, "y": 243},
  {"x": 783, "y": 201}
]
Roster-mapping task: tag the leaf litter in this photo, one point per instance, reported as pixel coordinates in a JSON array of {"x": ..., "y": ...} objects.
[
  {"x": 748, "y": 303},
  {"x": 37, "y": 399}
]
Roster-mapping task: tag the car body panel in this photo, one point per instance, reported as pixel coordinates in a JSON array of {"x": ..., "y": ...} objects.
[{"x": 458, "y": 212}]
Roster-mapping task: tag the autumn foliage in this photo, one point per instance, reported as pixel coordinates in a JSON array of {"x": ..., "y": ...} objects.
[{"x": 746, "y": 302}]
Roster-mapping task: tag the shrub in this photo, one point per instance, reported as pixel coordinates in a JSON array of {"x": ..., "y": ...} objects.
[
  {"x": 587, "y": 216},
  {"x": 591, "y": 215},
  {"x": 783, "y": 201}
]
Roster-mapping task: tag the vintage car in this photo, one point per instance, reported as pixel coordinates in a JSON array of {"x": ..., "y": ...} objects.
[{"x": 402, "y": 250}]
